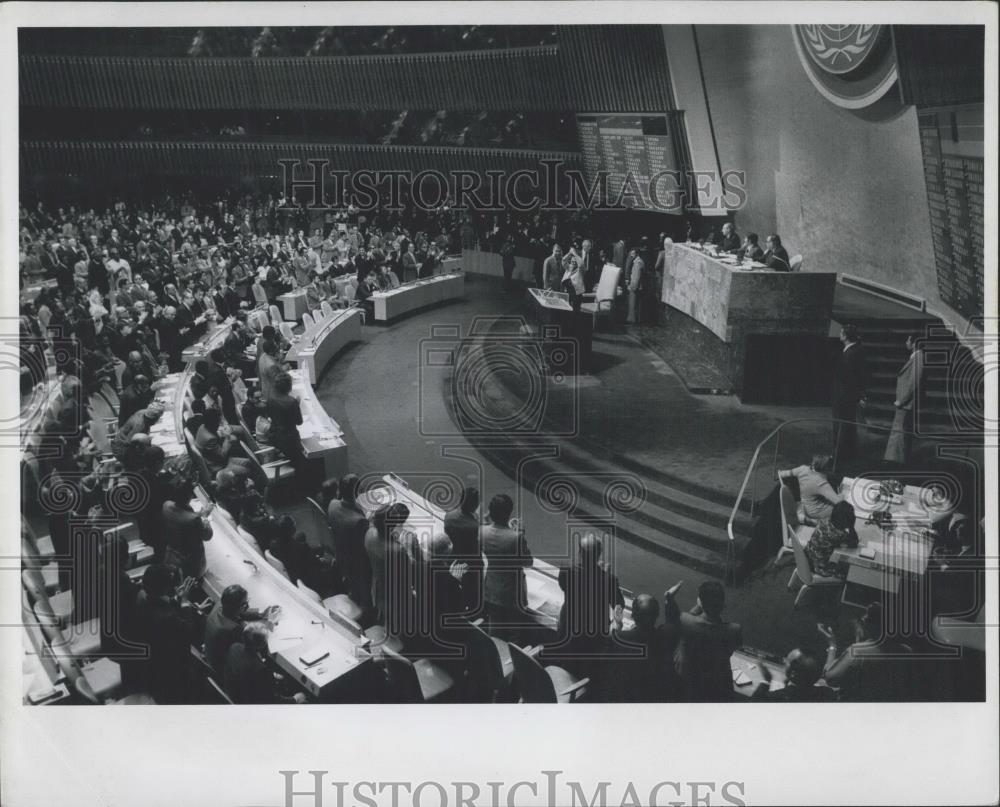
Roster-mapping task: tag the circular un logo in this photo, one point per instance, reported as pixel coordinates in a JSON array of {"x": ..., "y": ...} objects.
[
  {"x": 853, "y": 66},
  {"x": 839, "y": 49}
]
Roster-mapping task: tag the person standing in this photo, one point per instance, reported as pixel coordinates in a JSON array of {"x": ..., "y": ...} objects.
[
  {"x": 461, "y": 525},
  {"x": 909, "y": 381},
  {"x": 849, "y": 385},
  {"x": 507, "y": 262},
  {"x": 552, "y": 270},
  {"x": 348, "y": 527},
  {"x": 635, "y": 285},
  {"x": 507, "y": 556}
]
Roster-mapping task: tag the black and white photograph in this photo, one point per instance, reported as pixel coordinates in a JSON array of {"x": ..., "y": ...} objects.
[{"x": 638, "y": 360}]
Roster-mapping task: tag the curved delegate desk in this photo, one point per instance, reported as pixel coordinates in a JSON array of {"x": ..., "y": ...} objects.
[
  {"x": 417, "y": 294},
  {"x": 316, "y": 346},
  {"x": 316, "y": 650}
]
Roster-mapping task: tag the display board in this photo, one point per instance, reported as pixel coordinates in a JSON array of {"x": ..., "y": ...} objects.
[
  {"x": 640, "y": 145},
  {"x": 952, "y": 145}
]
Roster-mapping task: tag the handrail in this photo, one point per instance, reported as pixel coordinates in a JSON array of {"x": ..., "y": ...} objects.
[{"x": 776, "y": 433}]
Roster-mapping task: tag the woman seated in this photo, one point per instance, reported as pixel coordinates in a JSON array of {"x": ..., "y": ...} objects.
[
  {"x": 832, "y": 533},
  {"x": 818, "y": 496}
]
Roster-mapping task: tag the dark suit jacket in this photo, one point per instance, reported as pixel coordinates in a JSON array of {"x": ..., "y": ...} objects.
[
  {"x": 131, "y": 401},
  {"x": 729, "y": 243},
  {"x": 590, "y": 595},
  {"x": 753, "y": 252},
  {"x": 777, "y": 259},
  {"x": 850, "y": 378},
  {"x": 247, "y": 678},
  {"x": 649, "y": 678}
]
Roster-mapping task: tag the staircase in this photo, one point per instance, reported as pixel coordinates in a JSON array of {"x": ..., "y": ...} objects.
[
  {"x": 952, "y": 402},
  {"x": 651, "y": 509}
]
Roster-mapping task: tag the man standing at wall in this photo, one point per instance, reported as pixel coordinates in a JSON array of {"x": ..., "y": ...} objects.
[
  {"x": 849, "y": 384},
  {"x": 909, "y": 382}
]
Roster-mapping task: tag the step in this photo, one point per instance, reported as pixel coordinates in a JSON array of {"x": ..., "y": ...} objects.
[
  {"x": 665, "y": 496},
  {"x": 667, "y": 534}
]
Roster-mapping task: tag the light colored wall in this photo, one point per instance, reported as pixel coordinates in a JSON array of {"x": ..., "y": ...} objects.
[{"x": 846, "y": 193}]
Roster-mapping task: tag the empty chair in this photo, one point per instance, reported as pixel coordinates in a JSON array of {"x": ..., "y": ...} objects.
[
  {"x": 275, "y": 314},
  {"x": 307, "y": 320},
  {"x": 350, "y": 293},
  {"x": 276, "y": 470},
  {"x": 795, "y": 263},
  {"x": 421, "y": 681},
  {"x": 256, "y": 320},
  {"x": 259, "y": 295},
  {"x": 48, "y": 571},
  {"x": 277, "y": 564},
  {"x": 317, "y": 531},
  {"x": 791, "y": 526},
  {"x": 328, "y": 603},
  {"x": 326, "y": 308},
  {"x": 603, "y": 297},
  {"x": 285, "y": 329},
  {"x": 538, "y": 684},
  {"x": 489, "y": 667}
]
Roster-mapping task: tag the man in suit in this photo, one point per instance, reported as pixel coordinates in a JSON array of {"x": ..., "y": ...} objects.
[
  {"x": 776, "y": 257},
  {"x": 802, "y": 671},
  {"x": 137, "y": 395},
  {"x": 909, "y": 382},
  {"x": 507, "y": 555},
  {"x": 643, "y": 670},
  {"x": 552, "y": 269},
  {"x": 247, "y": 676},
  {"x": 348, "y": 526},
  {"x": 635, "y": 287},
  {"x": 730, "y": 241},
  {"x": 461, "y": 525},
  {"x": 591, "y": 590},
  {"x": 227, "y": 301},
  {"x": 849, "y": 385},
  {"x": 224, "y": 625},
  {"x": 750, "y": 249},
  {"x": 408, "y": 263},
  {"x": 705, "y": 643},
  {"x": 589, "y": 267}
]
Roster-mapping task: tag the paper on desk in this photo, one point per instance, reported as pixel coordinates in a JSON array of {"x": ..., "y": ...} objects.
[
  {"x": 329, "y": 442},
  {"x": 740, "y": 678}
]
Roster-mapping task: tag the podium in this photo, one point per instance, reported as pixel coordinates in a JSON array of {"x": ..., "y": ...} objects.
[{"x": 565, "y": 332}]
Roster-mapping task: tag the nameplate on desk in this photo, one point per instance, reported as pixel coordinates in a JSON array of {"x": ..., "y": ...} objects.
[
  {"x": 314, "y": 657},
  {"x": 867, "y": 552}
]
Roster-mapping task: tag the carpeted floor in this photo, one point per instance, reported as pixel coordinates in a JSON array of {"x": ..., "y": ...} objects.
[{"x": 389, "y": 397}]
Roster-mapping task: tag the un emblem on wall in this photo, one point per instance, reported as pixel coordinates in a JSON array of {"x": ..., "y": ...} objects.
[
  {"x": 839, "y": 49},
  {"x": 851, "y": 65}
]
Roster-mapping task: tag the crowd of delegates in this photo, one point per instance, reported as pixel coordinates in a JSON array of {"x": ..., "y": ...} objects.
[{"x": 135, "y": 286}]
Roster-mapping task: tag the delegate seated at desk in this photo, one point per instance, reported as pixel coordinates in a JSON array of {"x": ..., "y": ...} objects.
[
  {"x": 833, "y": 532},
  {"x": 225, "y": 623},
  {"x": 816, "y": 493},
  {"x": 776, "y": 257},
  {"x": 751, "y": 249}
]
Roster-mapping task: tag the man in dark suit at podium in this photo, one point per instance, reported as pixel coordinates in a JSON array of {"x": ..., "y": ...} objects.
[
  {"x": 776, "y": 256},
  {"x": 849, "y": 384}
]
